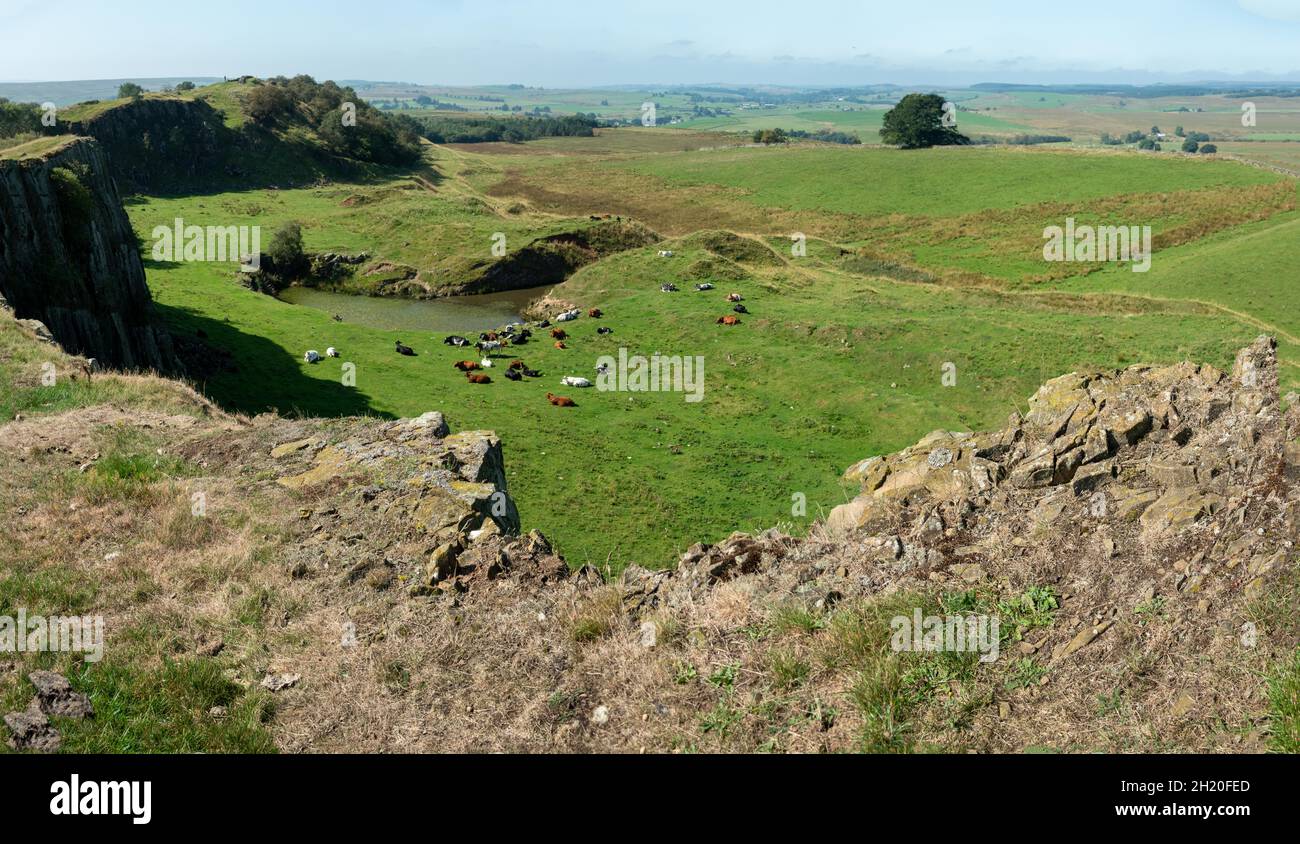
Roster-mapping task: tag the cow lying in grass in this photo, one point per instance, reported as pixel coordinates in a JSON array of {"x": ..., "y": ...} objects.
[
  {"x": 477, "y": 379},
  {"x": 728, "y": 320},
  {"x": 466, "y": 365},
  {"x": 574, "y": 381},
  {"x": 560, "y": 401}
]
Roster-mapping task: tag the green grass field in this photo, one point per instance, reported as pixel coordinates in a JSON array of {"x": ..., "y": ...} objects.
[
  {"x": 829, "y": 367},
  {"x": 915, "y": 259}
]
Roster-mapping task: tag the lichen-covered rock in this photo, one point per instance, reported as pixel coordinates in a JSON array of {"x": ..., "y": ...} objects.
[
  {"x": 447, "y": 485},
  {"x": 1164, "y": 447}
]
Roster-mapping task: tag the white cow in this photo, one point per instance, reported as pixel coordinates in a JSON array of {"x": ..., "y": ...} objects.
[
  {"x": 312, "y": 356},
  {"x": 574, "y": 381},
  {"x": 331, "y": 352}
]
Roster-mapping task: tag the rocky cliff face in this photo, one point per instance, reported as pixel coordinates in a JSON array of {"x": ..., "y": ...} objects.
[
  {"x": 161, "y": 145},
  {"x": 69, "y": 258}
]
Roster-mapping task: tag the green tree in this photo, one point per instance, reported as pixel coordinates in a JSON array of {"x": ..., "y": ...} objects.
[
  {"x": 1190, "y": 146},
  {"x": 1208, "y": 149},
  {"x": 129, "y": 90},
  {"x": 185, "y": 86},
  {"x": 287, "y": 257},
  {"x": 917, "y": 122}
]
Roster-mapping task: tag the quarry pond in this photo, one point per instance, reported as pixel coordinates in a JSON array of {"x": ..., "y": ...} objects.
[{"x": 450, "y": 314}]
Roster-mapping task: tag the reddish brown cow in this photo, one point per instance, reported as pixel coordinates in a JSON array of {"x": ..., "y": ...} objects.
[
  {"x": 560, "y": 401},
  {"x": 728, "y": 320},
  {"x": 466, "y": 365},
  {"x": 559, "y": 334},
  {"x": 478, "y": 379}
]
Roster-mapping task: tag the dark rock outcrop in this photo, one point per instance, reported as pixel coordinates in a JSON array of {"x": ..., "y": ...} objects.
[
  {"x": 161, "y": 145},
  {"x": 69, "y": 258}
]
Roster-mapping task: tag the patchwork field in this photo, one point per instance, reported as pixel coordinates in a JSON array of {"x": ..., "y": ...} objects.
[{"x": 914, "y": 260}]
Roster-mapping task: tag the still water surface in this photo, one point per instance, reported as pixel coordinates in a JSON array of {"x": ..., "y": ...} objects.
[{"x": 453, "y": 314}]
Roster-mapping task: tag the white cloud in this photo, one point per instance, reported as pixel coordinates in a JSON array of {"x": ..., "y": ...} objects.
[{"x": 1278, "y": 10}]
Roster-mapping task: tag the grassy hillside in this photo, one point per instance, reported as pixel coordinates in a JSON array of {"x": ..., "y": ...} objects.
[{"x": 915, "y": 260}]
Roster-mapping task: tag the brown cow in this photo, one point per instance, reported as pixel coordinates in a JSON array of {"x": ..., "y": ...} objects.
[
  {"x": 518, "y": 364},
  {"x": 560, "y": 401},
  {"x": 478, "y": 379},
  {"x": 595, "y": 313},
  {"x": 734, "y": 297},
  {"x": 559, "y": 334},
  {"x": 560, "y": 345},
  {"x": 728, "y": 320},
  {"x": 466, "y": 365}
]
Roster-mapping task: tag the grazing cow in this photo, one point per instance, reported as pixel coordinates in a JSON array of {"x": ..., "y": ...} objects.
[
  {"x": 559, "y": 334},
  {"x": 477, "y": 379},
  {"x": 668, "y": 288},
  {"x": 532, "y": 373},
  {"x": 560, "y": 345},
  {"x": 405, "y": 350},
  {"x": 595, "y": 313},
  {"x": 331, "y": 352},
  {"x": 728, "y": 320},
  {"x": 487, "y": 347},
  {"x": 574, "y": 381},
  {"x": 312, "y": 357},
  {"x": 740, "y": 309},
  {"x": 455, "y": 340},
  {"x": 466, "y": 365},
  {"x": 704, "y": 285},
  {"x": 560, "y": 401},
  {"x": 513, "y": 376},
  {"x": 517, "y": 364},
  {"x": 734, "y": 297},
  {"x": 604, "y": 330}
]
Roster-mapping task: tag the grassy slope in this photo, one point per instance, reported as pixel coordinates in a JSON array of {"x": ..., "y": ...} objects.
[
  {"x": 829, "y": 368},
  {"x": 939, "y": 182},
  {"x": 798, "y": 392}
]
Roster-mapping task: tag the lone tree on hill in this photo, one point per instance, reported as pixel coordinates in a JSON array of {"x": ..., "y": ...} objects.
[
  {"x": 129, "y": 90},
  {"x": 917, "y": 122}
]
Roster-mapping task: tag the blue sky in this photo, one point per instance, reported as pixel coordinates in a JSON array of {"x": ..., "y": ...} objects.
[{"x": 559, "y": 43}]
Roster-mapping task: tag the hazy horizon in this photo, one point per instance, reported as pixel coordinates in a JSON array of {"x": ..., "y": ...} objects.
[{"x": 584, "y": 44}]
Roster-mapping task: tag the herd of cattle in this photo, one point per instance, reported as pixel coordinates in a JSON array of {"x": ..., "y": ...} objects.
[{"x": 518, "y": 334}]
